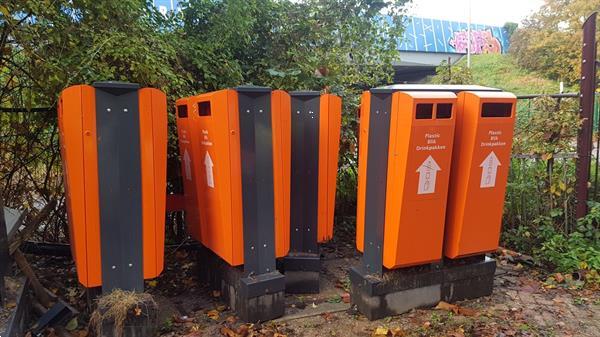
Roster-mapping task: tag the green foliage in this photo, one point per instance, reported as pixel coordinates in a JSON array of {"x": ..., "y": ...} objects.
[
  {"x": 497, "y": 71},
  {"x": 452, "y": 74},
  {"x": 550, "y": 40},
  {"x": 335, "y": 46},
  {"x": 547, "y": 126},
  {"x": 570, "y": 253}
]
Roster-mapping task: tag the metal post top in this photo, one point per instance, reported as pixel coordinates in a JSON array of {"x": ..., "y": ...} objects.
[
  {"x": 305, "y": 93},
  {"x": 116, "y": 87},
  {"x": 252, "y": 88}
]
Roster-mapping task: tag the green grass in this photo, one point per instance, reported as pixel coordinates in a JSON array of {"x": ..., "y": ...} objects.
[{"x": 501, "y": 71}]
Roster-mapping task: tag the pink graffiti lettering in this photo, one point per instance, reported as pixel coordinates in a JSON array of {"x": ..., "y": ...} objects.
[{"x": 482, "y": 42}]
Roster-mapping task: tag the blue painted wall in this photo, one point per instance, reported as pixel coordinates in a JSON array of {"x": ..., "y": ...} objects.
[
  {"x": 441, "y": 36},
  {"x": 430, "y": 35}
]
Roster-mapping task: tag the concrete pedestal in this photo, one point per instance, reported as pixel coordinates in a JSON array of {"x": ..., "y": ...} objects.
[
  {"x": 395, "y": 292},
  {"x": 302, "y": 273},
  {"x": 254, "y": 298},
  {"x": 468, "y": 278},
  {"x": 401, "y": 290}
]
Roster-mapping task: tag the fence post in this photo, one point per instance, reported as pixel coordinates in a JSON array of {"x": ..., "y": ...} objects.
[{"x": 586, "y": 107}]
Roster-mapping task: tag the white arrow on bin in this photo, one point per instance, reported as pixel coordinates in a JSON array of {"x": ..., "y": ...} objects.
[
  {"x": 208, "y": 164},
  {"x": 187, "y": 167},
  {"x": 489, "y": 170},
  {"x": 427, "y": 174}
]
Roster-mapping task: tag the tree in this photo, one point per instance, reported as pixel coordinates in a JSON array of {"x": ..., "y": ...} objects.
[
  {"x": 337, "y": 46},
  {"x": 510, "y": 28},
  {"x": 550, "y": 40}
]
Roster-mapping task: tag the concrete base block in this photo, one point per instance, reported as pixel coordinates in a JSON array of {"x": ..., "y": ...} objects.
[
  {"x": 468, "y": 278},
  {"x": 255, "y": 298},
  {"x": 396, "y": 291},
  {"x": 302, "y": 273}
]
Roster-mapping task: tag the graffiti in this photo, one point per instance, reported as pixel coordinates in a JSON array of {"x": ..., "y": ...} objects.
[{"x": 482, "y": 42}]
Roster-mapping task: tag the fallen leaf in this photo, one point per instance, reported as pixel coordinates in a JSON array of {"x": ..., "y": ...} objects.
[
  {"x": 243, "y": 329},
  {"x": 213, "y": 314},
  {"x": 559, "y": 278},
  {"x": 216, "y": 293},
  {"x": 397, "y": 332},
  {"x": 221, "y": 308},
  {"x": 137, "y": 311},
  {"x": 327, "y": 316},
  {"x": 447, "y": 306},
  {"x": 72, "y": 325},
  {"x": 79, "y": 333},
  {"x": 467, "y": 311},
  {"x": 426, "y": 324},
  {"x": 231, "y": 319},
  {"x": 277, "y": 334},
  {"x": 314, "y": 305},
  {"x": 346, "y": 297},
  {"x": 225, "y": 331},
  {"x": 152, "y": 283},
  {"x": 380, "y": 331}
]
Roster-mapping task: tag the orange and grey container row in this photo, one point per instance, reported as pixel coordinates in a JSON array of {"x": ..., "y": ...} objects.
[
  {"x": 433, "y": 167},
  {"x": 241, "y": 150},
  {"x": 248, "y": 191}
]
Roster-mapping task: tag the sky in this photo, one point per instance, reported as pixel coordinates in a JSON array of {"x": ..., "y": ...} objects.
[{"x": 489, "y": 12}]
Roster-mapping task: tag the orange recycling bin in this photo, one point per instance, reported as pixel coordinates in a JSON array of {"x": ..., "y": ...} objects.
[
  {"x": 113, "y": 142},
  {"x": 484, "y": 131},
  {"x": 405, "y": 151},
  {"x": 314, "y": 135},
  {"x": 236, "y": 176}
]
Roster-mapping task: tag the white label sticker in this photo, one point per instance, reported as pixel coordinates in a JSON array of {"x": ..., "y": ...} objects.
[
  {"x": 427, "y": 175},
  {"x": 489, "y": 170},
  {"x": 208, "y": 164}
]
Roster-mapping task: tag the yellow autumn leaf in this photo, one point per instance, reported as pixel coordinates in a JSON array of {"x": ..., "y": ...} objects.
[{"x": 213, "y": 314}]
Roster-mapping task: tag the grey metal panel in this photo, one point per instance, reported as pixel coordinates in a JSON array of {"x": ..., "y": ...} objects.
[
  {"x": 256, "y": 142},
  {"x": 120, "y": 190},
  {"x": 377, "y": 162},
  {"x": 304, "y": 185}
]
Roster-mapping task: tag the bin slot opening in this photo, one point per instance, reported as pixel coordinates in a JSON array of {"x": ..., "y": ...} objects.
[
  {"x": 424, "y": 111},
  {"x": 444, "y": 111},
  {"x": 496, "y": 110},
  {"x": 204, "y": 108},
  {"x": 182, "y": 111}
]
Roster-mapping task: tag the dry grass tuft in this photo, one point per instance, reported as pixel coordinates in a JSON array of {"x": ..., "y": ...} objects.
[{"x": 117, "y": 306}]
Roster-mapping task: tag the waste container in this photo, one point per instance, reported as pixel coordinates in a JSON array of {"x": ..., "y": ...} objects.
[
  {"x": 480, "y": 163},
  {"x": 406, "y": 141},
  {"x": 238, "y": 189},
  {"x": 113, "y": 142}
]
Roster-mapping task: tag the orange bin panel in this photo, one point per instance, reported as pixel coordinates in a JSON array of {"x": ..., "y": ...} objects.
[
  {"x": 483, "y": 140},
  {"x": 90, "y": 189},
  {"x": 329, "y": 144},
  {"x": 213, "y": 140},
  {"x": 407, "y": 198}
]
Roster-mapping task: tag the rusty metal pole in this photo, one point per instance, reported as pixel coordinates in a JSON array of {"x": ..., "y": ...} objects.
[{"x": 586, "y": 108}]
